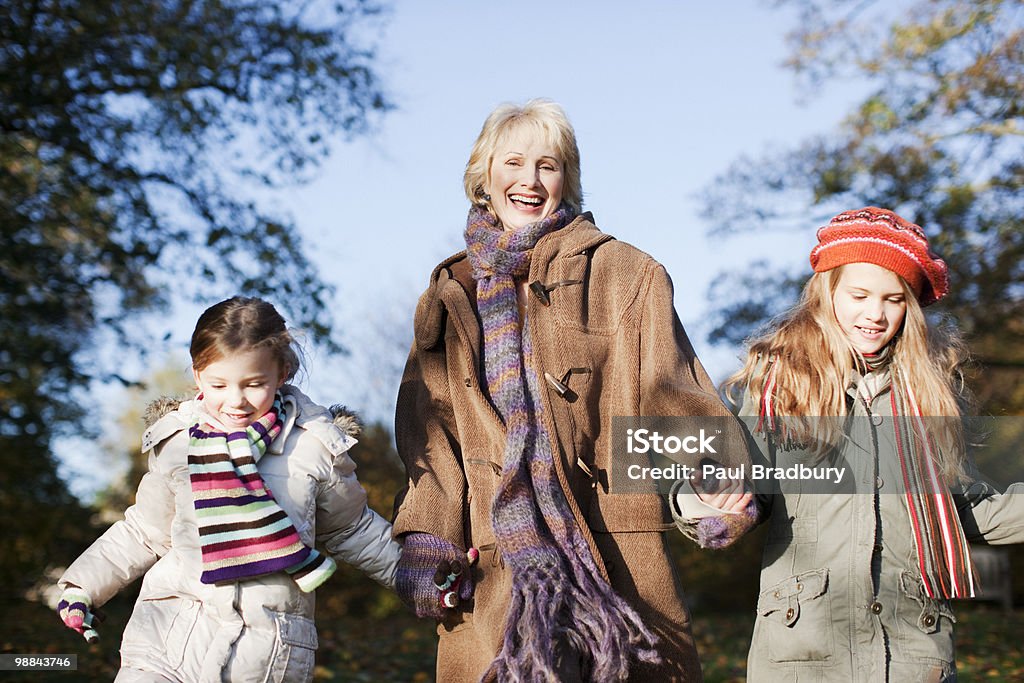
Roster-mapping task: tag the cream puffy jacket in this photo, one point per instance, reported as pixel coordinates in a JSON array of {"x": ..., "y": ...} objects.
[{"x": 256, "y": 630}]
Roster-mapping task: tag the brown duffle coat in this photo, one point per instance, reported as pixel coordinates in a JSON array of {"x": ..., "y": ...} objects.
[{"x": 606, "y": 328}]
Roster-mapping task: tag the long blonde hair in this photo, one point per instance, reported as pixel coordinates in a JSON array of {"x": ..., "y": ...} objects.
[{"x": 812, "y": 362}]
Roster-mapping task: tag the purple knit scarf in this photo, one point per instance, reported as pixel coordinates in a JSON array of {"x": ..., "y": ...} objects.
[{"x": 561, "y": 606}]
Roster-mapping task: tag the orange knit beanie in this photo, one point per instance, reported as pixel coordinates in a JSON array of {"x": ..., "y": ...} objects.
[{"x": 879, "y": 236}]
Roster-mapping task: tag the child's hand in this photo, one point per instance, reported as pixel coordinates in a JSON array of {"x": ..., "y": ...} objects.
[
  {"x": 75, "y": 610},
  {"x": 731, "y": 499},
  {"x": 727, "y": 495}
]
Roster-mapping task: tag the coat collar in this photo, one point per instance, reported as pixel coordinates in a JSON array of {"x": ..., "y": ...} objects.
[
  {"x": 572, "y": 240},
  {"x": 869, "y": 386}
]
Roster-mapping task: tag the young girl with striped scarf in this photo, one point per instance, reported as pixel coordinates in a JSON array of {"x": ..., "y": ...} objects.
[
  {"x": 857, "y": 577},
  {"x": 243, "y": 481}
]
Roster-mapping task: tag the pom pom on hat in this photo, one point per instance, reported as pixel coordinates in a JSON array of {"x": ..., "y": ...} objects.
[{"x": 879, "y": 236}]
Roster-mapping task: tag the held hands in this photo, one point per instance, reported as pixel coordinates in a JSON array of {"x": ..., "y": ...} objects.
[
  {"x": 75, "y": 610},
  {"x": 740, "y": 511},
  {"x": 727, "y": 495},
  {"x": 433, "y": 575},
  {"x": 448, "y": 578}
]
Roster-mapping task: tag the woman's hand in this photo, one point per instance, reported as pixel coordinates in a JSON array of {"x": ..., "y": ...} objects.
[{"x": 433, "y": 575}]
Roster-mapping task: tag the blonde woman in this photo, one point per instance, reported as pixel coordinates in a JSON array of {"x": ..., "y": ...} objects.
[{"x": 526, "y": 345}]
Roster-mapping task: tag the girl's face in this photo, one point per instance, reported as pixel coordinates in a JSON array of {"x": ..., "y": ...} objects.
[
  {"x": 524, "y": 181},
  {"x": 238, "y": 389},
  {"x": 869, "y": 304}
]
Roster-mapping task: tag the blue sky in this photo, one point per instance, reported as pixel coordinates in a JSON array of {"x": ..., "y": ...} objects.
[{"x": 663, "y": 96}]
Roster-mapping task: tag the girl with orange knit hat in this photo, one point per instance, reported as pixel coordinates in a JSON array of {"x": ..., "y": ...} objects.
[{"x": 858, "y": 572}]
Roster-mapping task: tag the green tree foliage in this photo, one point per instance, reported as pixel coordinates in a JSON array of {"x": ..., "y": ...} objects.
[
  {"x": 939, "y": 139},
  {"x": 133, "y": 138}
]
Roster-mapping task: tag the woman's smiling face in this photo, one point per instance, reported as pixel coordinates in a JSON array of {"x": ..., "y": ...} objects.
[
  {"x": 869, "y": 304},
  {"x": 525, "y": 180}
]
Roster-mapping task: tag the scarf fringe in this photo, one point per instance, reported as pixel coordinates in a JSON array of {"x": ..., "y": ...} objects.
[{"x": 543, "y": 614}]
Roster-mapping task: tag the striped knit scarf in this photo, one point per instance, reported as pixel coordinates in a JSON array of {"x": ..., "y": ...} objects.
[
  {"x": 243, "y": 532},
  {"x": 942, "y": 550},
  {"x": 560, "y": 605}
]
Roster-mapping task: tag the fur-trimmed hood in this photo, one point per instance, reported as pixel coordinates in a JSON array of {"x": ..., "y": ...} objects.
[
  {"x": 348, "y": 421},
  {"x": 159, "y": 407}
]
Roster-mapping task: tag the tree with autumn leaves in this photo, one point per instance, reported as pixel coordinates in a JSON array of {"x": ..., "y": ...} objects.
[
  {"x": 939, "y": 139},
  {"x": 135, "y": 138}
]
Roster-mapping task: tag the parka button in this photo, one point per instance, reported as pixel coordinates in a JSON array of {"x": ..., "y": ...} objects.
[
  {"x": 929, "y": 620},
  {"x": 876, "y": 607},
  {"x": 877, "y": 420},
  {"x": 789, "y": 613},
  {"x": 879, "y": 482}
]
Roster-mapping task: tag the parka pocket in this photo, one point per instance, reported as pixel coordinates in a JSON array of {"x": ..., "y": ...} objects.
[
  {"x": 162, "y": 625},
  {"x": 795, "y": 616},
  {"x": 928, "y": 611},
  {"x": 294, "y": 650},
  {"x": 925, "y": 624}
]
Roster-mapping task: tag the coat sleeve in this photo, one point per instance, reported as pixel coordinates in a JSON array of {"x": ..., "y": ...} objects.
[
  {"x": 672, "y": 379},
  {"x": 129, "y": 547},
  {"x": 674, "y": 383},
  {"x": 762, "y": 452},
  {"x": 988, "y": 516},
  {"x": 434, "y": 499},
  {"x": 350, "y": 530}
]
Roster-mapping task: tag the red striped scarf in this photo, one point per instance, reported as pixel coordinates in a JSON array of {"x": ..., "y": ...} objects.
[
  {"x": 942, "y": 552},
  {"x": 243, "y": 532}
]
